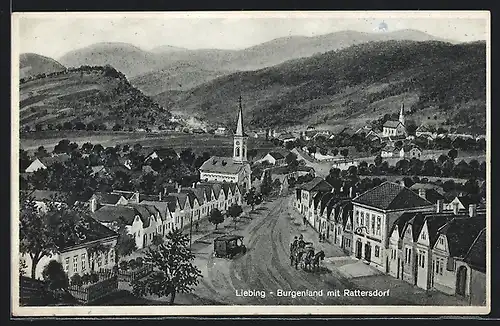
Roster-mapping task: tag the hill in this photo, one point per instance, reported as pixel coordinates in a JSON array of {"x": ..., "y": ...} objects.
[
  {"x": 436, "y": 80},
  {"x": 144, "y": 68},
  {"x": 32, "y": 64},
  {"x": 92, "y": 95}
]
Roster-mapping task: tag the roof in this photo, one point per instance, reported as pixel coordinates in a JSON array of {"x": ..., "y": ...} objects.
[
  {"x": 426, "y": 128},
  {"x": 391, "y": 124},
  {"x": 46, "y": 195},
  {"x": 347, "y": 209},
  {"x": 401, "y": 223},
  {"x": 417, "y": 186},
  {"x": 468, "y": 200},
  {"x": 325, "y": 199},
  {"x": 317, "y": 198},
  {"x": 461, "y": 233},
  {"x": 161, "y": 206},
  {"x": 228, "y": 237},
  {"x": 181, "y": 197},
  {"x": 95, "y": 231},
  {"x": 107, "y": 214},
  {"x": 432, "y": 195},
  {"x": 476, "y": 256},
  {"x": 286, "y": 135},
  {"x": 391, "y": 196},
  {"x": 316, "y": 184},
  {"x": 434, "y": 223},
  {"x": 199, "y": 193},
  {"x": 164, "y": 153},
  {"x": 97, "y": 168},
  {"x": 276, "y": 155},
  {"x": 145, "y": 212},
  {"x": 409, "y": 147},
  {"x": 50, "y": 160},
  {"x": 302, "y": 153},
  {"x": 105, "y": 198},
  {"x": 218, "y": 164}
]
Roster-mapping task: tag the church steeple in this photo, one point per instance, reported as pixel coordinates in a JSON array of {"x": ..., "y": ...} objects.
[
  {"x": 240, "y": 139},
  {"x": 401, "y": 114},
  {"x": 239, "y": 127}
]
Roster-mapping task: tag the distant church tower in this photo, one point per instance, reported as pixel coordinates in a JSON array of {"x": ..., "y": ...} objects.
[
  {"x": 240, "y": 140},
  {"x": 402, "y": 115}
]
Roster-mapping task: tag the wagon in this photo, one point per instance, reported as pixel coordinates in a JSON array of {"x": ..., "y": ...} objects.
[{"x": 229, "y": 246}]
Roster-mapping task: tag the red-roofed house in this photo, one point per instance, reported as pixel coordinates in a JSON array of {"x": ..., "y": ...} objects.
[{"x": 375, "y": 211}]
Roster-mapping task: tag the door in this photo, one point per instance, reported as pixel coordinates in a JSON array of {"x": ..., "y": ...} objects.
[
  {"x": 358, "y": 249},
  {"x": 368, "y": 252},
  {"x": 461, "y": 280},
  {"x": 399, "y": 264}
]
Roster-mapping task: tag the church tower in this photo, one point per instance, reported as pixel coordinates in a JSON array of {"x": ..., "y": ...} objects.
[
  {"x": 402, "y": 115},
  {"x": 240, "y": 139}
]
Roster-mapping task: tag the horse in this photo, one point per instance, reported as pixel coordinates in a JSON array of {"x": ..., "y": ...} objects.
[
  {"x": 307, "y": 259},
  {"x": 298, "y": 257},
  {"x": 320, "y": 255}
]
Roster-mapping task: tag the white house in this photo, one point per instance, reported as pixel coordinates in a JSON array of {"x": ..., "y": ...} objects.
[
  {"x": 274, "y": 158},
  {"x": 45, "y": 162}
]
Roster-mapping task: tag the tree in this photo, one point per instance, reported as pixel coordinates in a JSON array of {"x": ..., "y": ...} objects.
[
  {"x": 24, "y": 160},
  {"x": 125, "y": 244},
  {"x": 157, "y": 240},
  {"x": 291, "y": 159},
  {"x": 312, "y": 150},
  {"x": 76, "y": 280},
  {"x": 41, "y": 152},
  {"x": 235, "y": 211},
  {"x": 117, "y": 127},
  {"x": 252, "y": 198},
  {"x": 266, "y": 185},
  {"x": 323, "y": 151},
  {"x": 452, "y": 154},
  {"x": 173, "y": 270},
  {"x": 378, "y": 160},
  {"x": 63, "y": 146},
  {"x": 216, "y": 217},
  {"x": 53, "y": 274},
  {"x": 344, "y": 152},
  {"x": 335, "y": 151},
  {"x": 36, "y": 238}
]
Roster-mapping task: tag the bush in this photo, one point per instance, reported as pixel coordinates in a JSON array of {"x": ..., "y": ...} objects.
[
  {"x": 94, "y": 278},
  {"x": 76, "y": 280},
  {"x": 132, "y": 264},
  {"x": 124, "y": 265},
  {"x": 85, "y": 278},
  {"x": 53, "y": 273},
  {"x": 139, "y": 261}
]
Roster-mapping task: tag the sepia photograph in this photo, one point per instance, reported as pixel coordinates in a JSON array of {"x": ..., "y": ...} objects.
[{"x": 236, "y": 163}]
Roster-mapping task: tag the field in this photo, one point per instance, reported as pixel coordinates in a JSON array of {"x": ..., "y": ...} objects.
[{"x": 198, "y": 142}]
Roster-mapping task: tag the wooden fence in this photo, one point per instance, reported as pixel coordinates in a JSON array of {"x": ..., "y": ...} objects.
[
  {"x": 92, "y": 292},
  {"x": 132, "y": 275}
]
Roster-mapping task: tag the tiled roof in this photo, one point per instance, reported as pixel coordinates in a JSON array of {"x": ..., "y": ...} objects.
[
  {"x": 96, "y": 231},
  {"x": 108, "y": 214},
  {"x": 325, "y": 199},
  {"x": 467, "y": 200},
  {"x": 316, "y": 184},
  {"x": 391, "y": 124},
  {"x": 346, "y": 211},
  {"x": 391, "y": 196},
  {"x": 197, "y": 192},
  {"x": 317, "y": 198},
  {"x": 461, "y": 233},
  {"x": 221, "y": 165},
  {"x": 50, "y": 160},
  {"x": 476, "y": 256},
  {"x": 161, "y": 206},
  {"x": 302, "y": 153},
  {"x": 105, "y": 198},
  {"x": 145, "y": 212},
  {"x": 276, "y": 155},
  {"x": 433, "y": 196},
  {"x": 401, "y": 223},
  {"x": 180, "y": 197},
  {"x": 434, "y": 223}
]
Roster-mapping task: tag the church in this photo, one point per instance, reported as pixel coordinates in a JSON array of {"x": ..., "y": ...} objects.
[
  {"x": 234, "y": 169},
  {"x": 395, "y": 128}
]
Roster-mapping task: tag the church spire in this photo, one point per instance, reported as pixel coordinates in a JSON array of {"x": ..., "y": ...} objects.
[
  {"x": 239, "y": 126},
  {"x": 401, "y": 114}
]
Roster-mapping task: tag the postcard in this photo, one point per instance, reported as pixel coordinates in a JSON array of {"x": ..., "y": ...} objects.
[{"x": 250, "y": 163}]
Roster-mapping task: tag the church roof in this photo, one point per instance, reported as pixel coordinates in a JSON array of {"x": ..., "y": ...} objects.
[
  {"x": 392, "y": 124},
  {"x": 218, "y": 164},
  {"x": 239, "y": 127}
]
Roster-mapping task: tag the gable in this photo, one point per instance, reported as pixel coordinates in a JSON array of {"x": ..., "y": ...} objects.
[
  {"x": 441, "y": 243},
  {"x": 408, "y": 233},
  {"x": 395, "y": 234},
  {"x": 423, "y": 237}
]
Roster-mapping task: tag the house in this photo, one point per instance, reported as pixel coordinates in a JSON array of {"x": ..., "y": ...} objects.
[
  {"x": 45, "y": 162},
  {"x": 453, "y": 243},
  {"x": 461, "y": 203},
  {"x": 305, "y": 194},
  {"x": 231, "y": 169},
  {"x": 410, "y": 151},
  {"x": 162, "y": 154},
  {"x": 302, "y": 155},
  {"x": 431, "y": 195},
  {"x": 388, "y": 150},
  {"x": 287, "y": 137},
  {"x": 344, "y": 163},
  {"x": 198, "y": 131},
  {"x": 274, "y": 158},
  {"x": 220, "y": 131},
  {"x": 106, "y": 199},
  {"x": 99, "y": 171},
  {"x": 471, "y": 272},
  {"x": 426, "y": 131},
  {"x": 375, "y": 211},
  {"x": 460, "y": 132},
  {"x": 76, "y": 256},
  {"x": 43, "y": 197},
  {"x": 427, "y": 186}
]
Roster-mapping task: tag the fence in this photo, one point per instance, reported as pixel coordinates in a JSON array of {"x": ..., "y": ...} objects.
[
  {"x": 132, "y": 275},
  {"x": 92, "y": 292}
]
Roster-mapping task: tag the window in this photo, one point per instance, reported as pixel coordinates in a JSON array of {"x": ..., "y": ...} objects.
[
  {"x": 111, "y": 255},
  {"x": 441, "y": 241},
  {"x": 357, "y": 218},
  {"x": 84, "y": 262},
  {"x": 450, "y": 264},
  {"x": 424, "y": 236},
  {"x": 66, "y": 264},
  {"x": 105, "y": 259},
  {"x": 373, "y": 224},
  {"x": 441, "y": 267},
  {"x": 377, "y": 251},
  {"x": 362, "y": 218},
  {"x": 379, "y": 223},
  {"x": 99, "y": 261},
  {"x": 75, "y": 264},
  {"x": 422, "y": 260}
]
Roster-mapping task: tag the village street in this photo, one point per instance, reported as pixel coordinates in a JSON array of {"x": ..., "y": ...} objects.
[{"x": 266, "y": 267}]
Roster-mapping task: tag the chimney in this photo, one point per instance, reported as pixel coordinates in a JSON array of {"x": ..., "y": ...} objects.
[
  {"x": 93, "y": 204},
  {"x": 350, "y": 192},
  {"x": 194, "y": 185},
  {"x": 137, "y": 197},
  {"x": 178, "y": 189},
  {"x": 159, "y": 196},
  {"x": 421, "y": 193},
  {"x": 472, "y": 210},
  {"x": 455, "y": 209},
  {"x": 402, "y": 183},
  {"x": 439, "y": 206},
  {"x": 333, "y": 190}
]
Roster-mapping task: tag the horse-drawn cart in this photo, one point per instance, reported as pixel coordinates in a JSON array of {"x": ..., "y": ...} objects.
[
  {"x": 229, "y": 246},
  {"x": 305, "y": 257}
]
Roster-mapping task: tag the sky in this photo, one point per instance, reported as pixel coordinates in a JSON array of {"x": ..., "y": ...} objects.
[{"x": 54, "y": 34}]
